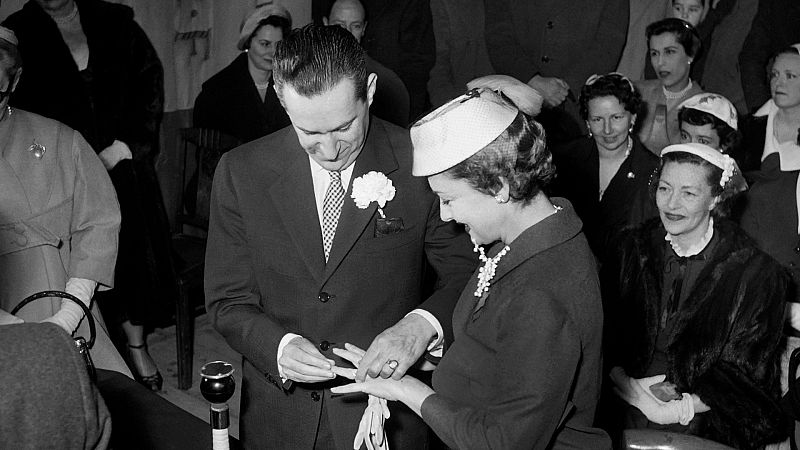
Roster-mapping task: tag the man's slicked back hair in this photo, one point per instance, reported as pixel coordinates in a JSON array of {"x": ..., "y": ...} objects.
[{"x": 313, "y": 59}]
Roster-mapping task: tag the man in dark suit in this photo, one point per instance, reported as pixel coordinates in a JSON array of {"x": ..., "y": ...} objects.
[
  {"x": 556, "y": 45},
  {"x": 294, "y": 268}
]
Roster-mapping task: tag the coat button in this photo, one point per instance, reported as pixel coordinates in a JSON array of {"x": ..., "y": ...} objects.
[
  {"x": 545, "y": 59},
  {"x": 315, "y": 396},
  {"x": 797, "y": 249},
  {"x": 549, "y": 24},
  {"x": 324, "y": 297},
  {"x": 324, "y": 346}
]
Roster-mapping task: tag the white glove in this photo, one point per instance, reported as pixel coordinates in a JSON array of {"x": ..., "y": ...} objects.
[
  {"x": 637, "y": 393},
  {"x": 114, "y": 153},
  {"x": 370, "y": 429},
  {"x": 9, "y": 319},
  {"x": 794, "y": 315},
  {"x": 70, "y": 314}
]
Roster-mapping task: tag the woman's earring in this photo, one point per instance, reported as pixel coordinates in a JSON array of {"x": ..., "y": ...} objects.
[
  {"x": 590, "y": 134},
  {"x": 630, "y": 130}
]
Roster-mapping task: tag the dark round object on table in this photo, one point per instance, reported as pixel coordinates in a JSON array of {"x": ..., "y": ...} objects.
[{"x": 217, "y": 383}]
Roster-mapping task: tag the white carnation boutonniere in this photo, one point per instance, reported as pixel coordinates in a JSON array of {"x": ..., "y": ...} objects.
[{"x": 373, "y": 187}]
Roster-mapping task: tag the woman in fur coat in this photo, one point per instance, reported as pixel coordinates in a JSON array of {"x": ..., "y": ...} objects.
[{"x": 695, "y": 312}]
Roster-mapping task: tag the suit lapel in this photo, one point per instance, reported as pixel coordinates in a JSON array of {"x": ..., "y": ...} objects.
[
  {"x": 294, "y": 198},
  {"x": 378, "y": 156}
]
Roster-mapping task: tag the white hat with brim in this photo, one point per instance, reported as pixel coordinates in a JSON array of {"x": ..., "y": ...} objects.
[
  {"x": 459, "y": 129},
  {"x": 250, "y": 25},
  {"x": 714, "y": 104},
  {"x": 730, "y": 170}
]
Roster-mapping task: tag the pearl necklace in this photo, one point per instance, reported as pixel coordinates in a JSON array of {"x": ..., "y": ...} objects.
[
  {"x": 676, "y": 95},
  {"x": 486, "y": 273},
  {"x": 68, "y": 18},
  {"x": 261, "y": 87}
]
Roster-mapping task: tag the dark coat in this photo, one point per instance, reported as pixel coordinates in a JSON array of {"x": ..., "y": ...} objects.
[
  {"x": 626, "y": 201},
  {"x": 119, "y": 96},
  {"x": 49, "y": 401},
  {"x": 229, "y": 102},
  {"x": 754, "y": 135},
  {"x": 400, "y": 36},
  {"x": 266, "y": 276},
  {"x": 776, "y": 26},
  {"x": 769, "y": 216},
  {"x": 126, "y": 98},
  {"x": 726, "y": 344},
  {"x": 524, "y": 370},
  {"x": 553, "y": 38}
]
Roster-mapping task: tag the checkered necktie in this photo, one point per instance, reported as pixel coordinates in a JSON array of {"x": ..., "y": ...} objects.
[{"x": 331, "y": 209}]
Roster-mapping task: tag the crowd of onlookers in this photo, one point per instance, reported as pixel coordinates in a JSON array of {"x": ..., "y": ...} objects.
[{"x": 677, "y": 119}]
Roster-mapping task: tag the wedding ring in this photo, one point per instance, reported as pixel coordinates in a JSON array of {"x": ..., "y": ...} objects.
[{"x": 392, "y": 363}]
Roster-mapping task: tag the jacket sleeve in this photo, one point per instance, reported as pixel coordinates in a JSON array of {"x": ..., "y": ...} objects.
[
  {"x": 507, "y": 55},
  {"x": 755, "y": 54},
  {"x": 440, "y": 84},
  {"x": 94, "y": 228},
  {"x": 529, "y": 402},
  {"x": 609, "y": 38},
  {"x": 142, "y": 116},
  {"x": 743, "y": 387},
  {"x": 233, "y": 298},
  {"x": 449, "y": 253}
]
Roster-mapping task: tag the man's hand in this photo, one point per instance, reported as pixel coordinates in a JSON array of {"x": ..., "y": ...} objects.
[
  {"x": 554, "y": 90},
  {"x": 403, "y": 342},
  {"x": 302, "y": 362}
]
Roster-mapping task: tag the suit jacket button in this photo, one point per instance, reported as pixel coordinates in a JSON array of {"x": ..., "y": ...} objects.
[
  {"x": 797, "y": 249},
  {"x": 324, "y": 297},
  {"x": 549, "y": 24},
  {"x": 545, "y": 59},
  {"x": 315, "y": 396},
  {"x": 324, "y": 346}
]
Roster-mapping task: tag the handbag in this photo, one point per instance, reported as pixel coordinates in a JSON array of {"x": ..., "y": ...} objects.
[{"x": 80, "y": 342}]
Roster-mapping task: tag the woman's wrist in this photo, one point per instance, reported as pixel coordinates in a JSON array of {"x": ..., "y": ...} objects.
[{"x": 413, "y": 393}]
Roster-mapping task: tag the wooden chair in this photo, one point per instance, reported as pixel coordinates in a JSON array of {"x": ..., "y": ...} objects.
[
  {"x": 189, "y": 236},
  {"x": 664, "y": 440}
]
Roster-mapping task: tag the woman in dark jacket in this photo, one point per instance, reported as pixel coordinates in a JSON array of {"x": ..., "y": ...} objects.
[
  {"x": 89, "y": 65},
  {"x": 523, "y": 370},
  {"x": 770, "y": 213},
  {"x": 694, "y": 312},
  {"x": 606, "y": 176},
  {"x": 240, "y": 100}
]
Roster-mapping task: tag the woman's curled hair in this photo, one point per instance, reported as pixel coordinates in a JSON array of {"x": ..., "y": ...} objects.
[{"x": 519, "y": 155}]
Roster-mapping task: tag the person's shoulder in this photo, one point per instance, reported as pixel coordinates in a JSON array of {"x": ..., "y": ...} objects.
[
  {"x": 647, "y": 86},
  {"x": 269, "y": 154},
  {"x": 230, "y": 73},
  {"x": 398, "y": 139},
  {"x": 41, "y": 123}
]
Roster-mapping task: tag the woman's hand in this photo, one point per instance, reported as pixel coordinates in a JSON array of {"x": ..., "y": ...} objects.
[
  {"x": 636, "y": 392},
  {"x": 408, "y": 390},
  {"x": 114, "y": 153},
  {"x": 525, "y": 98}
]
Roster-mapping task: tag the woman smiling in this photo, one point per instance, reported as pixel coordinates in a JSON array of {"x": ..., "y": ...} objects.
[
  {"x": 695, "y": 311},
  {"x": 606, "y": 176},
  {"x": 523, "y": 370}
]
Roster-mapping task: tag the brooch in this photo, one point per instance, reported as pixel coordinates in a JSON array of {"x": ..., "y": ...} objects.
[{"x": 37, "y": 149}]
